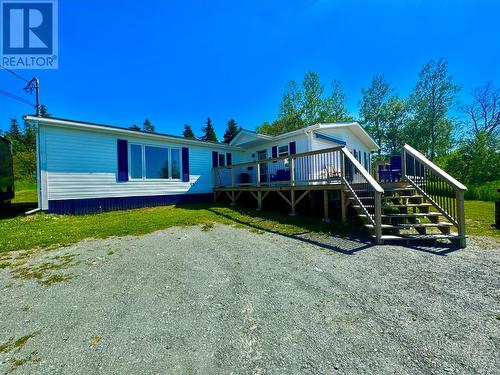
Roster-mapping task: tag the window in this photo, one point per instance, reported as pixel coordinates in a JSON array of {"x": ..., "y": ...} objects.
[
  {"x": 151, "y": 162},
  {"x": 135, "y": 161},
  {"x": 283, "y": 150},
  {"x": 222, "y": 160},
  {"x": 156, "y": 162},
  {"x": 176, "y": 163}
]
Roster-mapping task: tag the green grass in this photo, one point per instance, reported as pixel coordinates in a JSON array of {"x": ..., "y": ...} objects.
[{"x": 20, "y": 232}]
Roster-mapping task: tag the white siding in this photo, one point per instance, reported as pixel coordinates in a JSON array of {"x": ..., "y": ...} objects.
[
  {"x": 83, "y": 164},
  {"x": 301, "y": 144}
]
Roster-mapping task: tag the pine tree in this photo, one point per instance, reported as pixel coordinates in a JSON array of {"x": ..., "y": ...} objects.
[
  {"x": 208, "y": 132},
  {"x": 148, "y": 127},
  {"x": 231, "y": 130},
  {"x": 14, "y": 132},
  {"x": 135, "y": 128},
  {"x": 188, "y": 132},
  {"x": 44, "y": 112}
]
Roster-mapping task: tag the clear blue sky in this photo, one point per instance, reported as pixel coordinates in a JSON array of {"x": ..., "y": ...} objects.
[{"x": 178, "y": 62}]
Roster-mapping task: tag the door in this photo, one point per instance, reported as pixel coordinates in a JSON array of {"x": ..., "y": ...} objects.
[{"x": 262, "y": 155}]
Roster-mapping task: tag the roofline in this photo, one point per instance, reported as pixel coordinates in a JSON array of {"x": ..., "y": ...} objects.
[
  {"x": 54, "y": 121},
  {"x": 254, "y": 133}
]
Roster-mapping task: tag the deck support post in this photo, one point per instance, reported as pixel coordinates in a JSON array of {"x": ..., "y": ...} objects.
[
  {"x": 325, "y": 206},
  {"x": 292, "y": 202},
  {"x": 343, "y": 205},
  {"x": 259, "y": 200},
  {"x": 461, "y": 217}
]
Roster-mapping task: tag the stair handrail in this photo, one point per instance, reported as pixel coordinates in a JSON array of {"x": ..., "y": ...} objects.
[
  {"x": 459, "y": 208},
  {"x": 420, "y": 157},
  {"x": 376, "y": 220}
]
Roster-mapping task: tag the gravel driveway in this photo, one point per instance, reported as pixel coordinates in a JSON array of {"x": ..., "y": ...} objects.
[{"x": 230, "y": 301}]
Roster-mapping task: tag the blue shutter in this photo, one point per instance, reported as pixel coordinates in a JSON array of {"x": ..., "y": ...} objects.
[
  {"x": 215, "y": 159},
  {"x": 292, "y": 148},
  {"x": 229, "y": 159},
  {"x": 122, "y": 150},
  {"x": 274, "y": 151},
  {"x": 185, "y": 164}
]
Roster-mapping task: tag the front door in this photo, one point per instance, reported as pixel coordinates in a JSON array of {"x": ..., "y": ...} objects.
[{"x": 262, "y": 155}]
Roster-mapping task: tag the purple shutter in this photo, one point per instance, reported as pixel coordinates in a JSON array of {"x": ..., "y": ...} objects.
[
  {"x": 122, "y": 149},
  {"x": 274, "y": 151},
  {"x": 292, "y": 148},
  {"x": 215, "y": 159},
  {"x": 229, "y": 159},
  {"x": 185, "y": 164}
]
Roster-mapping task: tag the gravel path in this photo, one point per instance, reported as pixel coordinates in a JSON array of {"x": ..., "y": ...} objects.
[{"x": 230, "y": 301}]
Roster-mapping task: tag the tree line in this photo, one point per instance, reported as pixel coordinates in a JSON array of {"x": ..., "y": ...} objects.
[{"x": 464, "y": 139}]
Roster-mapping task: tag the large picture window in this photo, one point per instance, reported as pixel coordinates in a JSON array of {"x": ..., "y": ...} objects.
[{"x": 154, "y": 163}]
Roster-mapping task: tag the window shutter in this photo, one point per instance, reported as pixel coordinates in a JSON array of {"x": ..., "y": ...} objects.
[
  {"x": 229, "y": 159},
  {"x": 122, "y": 150},
  {"x": 215, "y": 159},
  {"x": 292, "y": 148},
  {"x": 274, "y": 151},
  {"x": 185, "y": 164}
]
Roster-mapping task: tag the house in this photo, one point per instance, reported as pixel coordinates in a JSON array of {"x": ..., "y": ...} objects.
[{"x": 84, "y": 167}]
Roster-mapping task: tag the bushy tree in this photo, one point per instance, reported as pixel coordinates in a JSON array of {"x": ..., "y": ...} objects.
[
  {"x": 231, "y": 130},
  {"x": 334, "y": 108},
  {"x": 148, "y": 127},
  {"x": 208, "y": 132},
  {"x": 188, "y": 132},
  {"x": 433, "y": 96},
  {"x": 312, "y": 102},
  {"x": 395, "y": 117},
  {"x": 135, "y": 128},
  {"x": 44, "y": 112}
]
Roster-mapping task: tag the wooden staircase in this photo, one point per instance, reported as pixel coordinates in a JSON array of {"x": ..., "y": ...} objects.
[{"x": 406, "y": 215}]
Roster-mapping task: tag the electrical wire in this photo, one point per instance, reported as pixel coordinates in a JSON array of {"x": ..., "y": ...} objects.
[
  {"x": 14, "y": 73},
  {"x": 15, "y": 97}
]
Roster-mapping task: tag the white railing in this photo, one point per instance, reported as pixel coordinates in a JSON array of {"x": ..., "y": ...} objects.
[{"x": 443, "y": 191}]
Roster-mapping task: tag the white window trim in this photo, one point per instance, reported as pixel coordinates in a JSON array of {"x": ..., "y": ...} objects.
[
  {"x": 287, "y": 153},
  {"x": 143, "y": 166}
]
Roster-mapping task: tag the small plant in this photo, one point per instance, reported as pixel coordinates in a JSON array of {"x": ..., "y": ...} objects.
[{"x": 94, "y": 340}]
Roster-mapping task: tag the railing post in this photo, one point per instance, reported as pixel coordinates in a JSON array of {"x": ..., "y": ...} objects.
[
  {"x": 257, "y": 171},
  {"x": 343, "y": 198},
  {"x": 461, "y": 217},
  {"x": 292, "y": 170},
  {"x": 378, "y": 218},
  {"x": 403, "y": 163}
]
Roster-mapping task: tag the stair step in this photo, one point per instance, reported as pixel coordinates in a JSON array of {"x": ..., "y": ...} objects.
[
  {"x": 412, "y": 225},
  {"x": 418, "y": 237},
  {"x": 411, "y": 205},
  {"x": 418, "y": 214},
  {"x": 403, "y": 196}
]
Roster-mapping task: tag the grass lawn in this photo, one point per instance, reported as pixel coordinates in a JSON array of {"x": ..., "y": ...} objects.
[{"x": 18, "y": 232}]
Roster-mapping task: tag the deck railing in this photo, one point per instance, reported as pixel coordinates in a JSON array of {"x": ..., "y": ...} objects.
[
  {"x": 329, "y": 166},
  {"x": 444, "y": 192}
]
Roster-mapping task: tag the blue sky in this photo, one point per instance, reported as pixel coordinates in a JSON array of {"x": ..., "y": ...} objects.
[{"x": 178, "y": 62}]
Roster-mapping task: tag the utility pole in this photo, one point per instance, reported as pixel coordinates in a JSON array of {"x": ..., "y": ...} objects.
[{"x": 37, "y": 105}]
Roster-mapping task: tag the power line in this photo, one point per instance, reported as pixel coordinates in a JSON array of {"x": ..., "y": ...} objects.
[
  {"x": 14, "y": 73},
  {"x": 15, "y": 97}
]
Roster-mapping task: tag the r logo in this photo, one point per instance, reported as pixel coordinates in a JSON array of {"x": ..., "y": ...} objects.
[{"x": 29, "y": 31}]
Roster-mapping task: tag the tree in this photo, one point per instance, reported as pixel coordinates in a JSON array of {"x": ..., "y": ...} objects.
[
  {"x": 188, "y": 132},
  {"x": 208, "y": 132},
  {"x": 14, "y": 132},
  {"x": 431, "y": 99},
  {"x": 231, "y": 130},
  {"x": 44, "y": 112},
  {"x": 372, "y": 109},
  {"x": 148, "y": 127},
  {"x": 394, "y": 115},
  {"x": 135, "y": 128},
  {"x": 334, "y": 108},
  {"x": 312, "y": 102},
  {"x": 484, "y": 111}
]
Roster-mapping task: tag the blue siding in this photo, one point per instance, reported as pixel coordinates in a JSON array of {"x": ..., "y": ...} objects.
[{"x": 96, "y": 205}]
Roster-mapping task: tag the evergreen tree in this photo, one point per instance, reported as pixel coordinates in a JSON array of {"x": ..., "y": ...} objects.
[
  {"x": 135, "y": 128},
  {"x": 44, "y": 112},
  {"x": 231, "y": 130},
  {"x": 431, "y": 99},
  {"x": 208, "y": 132},
  {"x": 148, "y": 127},
  {"x": 188, "y": 132},
  {"x": 14, "y": 132}
]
